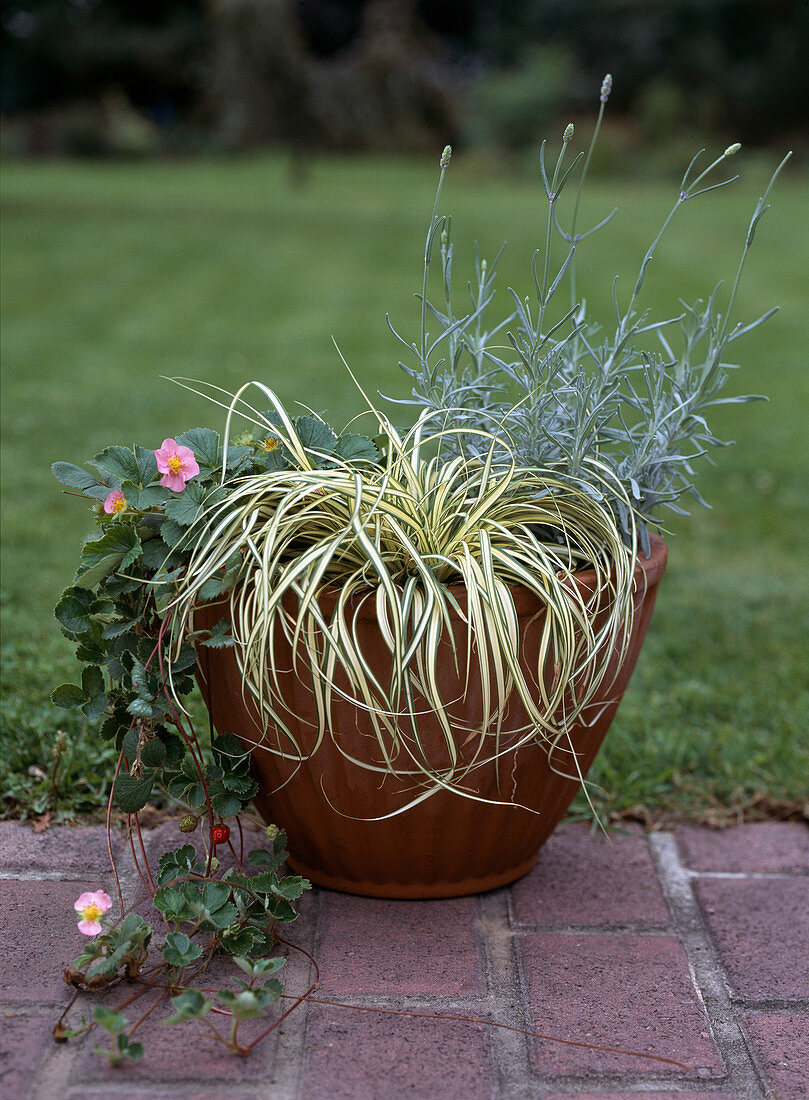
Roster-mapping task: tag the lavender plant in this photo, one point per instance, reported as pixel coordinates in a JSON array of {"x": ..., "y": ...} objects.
[{"x": 558, "y": 390}]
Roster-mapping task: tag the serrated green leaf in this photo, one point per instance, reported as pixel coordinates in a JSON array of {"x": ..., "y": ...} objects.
[
  {"x": 141, "y": 708},
  {"x": 245, "y": 939},
  {"x": 215, "y": 895},
  {"x": 176, "y": 864},
  {"x": 132, "y": 794},
  {"x": 129, "y": 1049},
  {"x": 147, "y": 465},
  {"x": 68, "y": 696},
  {"x": 155, "y": 552},
  {"x": 114, "y": 630},
  {"x": 120, "y": 462},
  {"x": 230, "y": 753},
  {"x": 91, "y": 649},
  {"x": 219, "y": 636},
  {"x": 110, "y": 1019},
  {"x": 291, "y": 887},
  {"x": 190, "y": 1005},
  {"x": 173, "y": 904},
  {"x": 187, "y": 658},
  {"x": 257, "y": 968},
  {"x": 238, "y": 457},
  {"x": 116, "y": 549},
  {"x": 77, "y": 478},
  {"x": 315, "y": 435},
  {"x": 172, "y": 533},
  {"x": 150, "y": 497},
  {"x": 241, "y": 785},
  {"x": 72, "y": 611},
  {"x": 92, "y": 682},
  {"x": 225, "y": 803},
  {"x": 245, "y": 1005},
  {"x": 222, "y": 917},
  {"x": 211, "y": 589},
  {"x": 153, "y": 753},
  {"x": 356, "y": 448},
  {"x": 179, "y": 950},
  {"x": 186, "y": 507},
  {"x": 204, "y": 442},
  {"x": 262, "y": 858}
]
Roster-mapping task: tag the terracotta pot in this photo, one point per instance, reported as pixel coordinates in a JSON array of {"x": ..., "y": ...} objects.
[{"x": 447, "y": 845}]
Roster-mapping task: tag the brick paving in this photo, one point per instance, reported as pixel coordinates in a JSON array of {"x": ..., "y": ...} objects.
[{"x": 687, "y": 952}]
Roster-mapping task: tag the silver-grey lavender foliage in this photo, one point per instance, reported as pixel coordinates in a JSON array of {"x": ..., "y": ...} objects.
[{"x": 560, "y": 392}]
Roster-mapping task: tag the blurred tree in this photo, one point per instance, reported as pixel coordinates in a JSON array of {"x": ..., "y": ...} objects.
[
  {"x": 397, "y": 73},
  {"x": 345, "y": 76},
  {"x": 259, "y": 90},
  {"x": 61, "y": 50}
]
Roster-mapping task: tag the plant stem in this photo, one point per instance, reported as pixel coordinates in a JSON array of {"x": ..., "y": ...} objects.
[
  {"x": 761, "y": 208},
  {"x": 579, "y": 191}
]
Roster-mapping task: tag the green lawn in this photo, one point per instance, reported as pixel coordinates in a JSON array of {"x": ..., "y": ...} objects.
[{"x": 117, "y": 274}]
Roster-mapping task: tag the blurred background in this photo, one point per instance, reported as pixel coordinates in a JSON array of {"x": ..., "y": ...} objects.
[
  {"x": 214, "y": 189},
  {"x": 178, "y": 77}
]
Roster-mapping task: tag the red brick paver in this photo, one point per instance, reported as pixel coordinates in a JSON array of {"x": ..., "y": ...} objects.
[
  {"x": 633, "y": 992},
  {"x": 371, "y": 946},
  {"x": 761, "y": 927},
  {"x": 395, "y": 1057},
  {"x": 762, "y": 847},
  {"x": 689, "y": 946},
  {"x": 38, "y": 938},
  {"x": 781, "y": 1040},
  {"x": 584, "y": 879}
]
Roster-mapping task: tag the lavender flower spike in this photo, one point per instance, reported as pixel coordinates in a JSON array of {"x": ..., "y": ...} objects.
[{"x": 606, "y": 87}]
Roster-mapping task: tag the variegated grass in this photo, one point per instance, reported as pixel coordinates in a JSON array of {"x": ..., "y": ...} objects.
[{"x": 426, "y": 541}]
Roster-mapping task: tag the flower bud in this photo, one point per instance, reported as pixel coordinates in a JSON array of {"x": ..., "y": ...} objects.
[
  {"x": 187, "y": 824},
  {"x": 731, "y": 149},
  {"x": 445, "y": 156},
  {"x": 568, "y": 134},
  {"x": 606, "y": 87}
]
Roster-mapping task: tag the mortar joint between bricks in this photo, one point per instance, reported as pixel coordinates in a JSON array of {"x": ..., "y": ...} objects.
[{"x": 711, "y": 981}]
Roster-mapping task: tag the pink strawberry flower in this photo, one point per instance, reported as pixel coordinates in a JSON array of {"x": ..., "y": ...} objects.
[
  {"x": 177, "y": 465},
  {"x": 90, "y": 906},
  {"x": 116, "y": 502}
]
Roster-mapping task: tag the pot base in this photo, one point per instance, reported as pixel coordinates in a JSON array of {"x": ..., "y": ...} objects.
[{"x": 413, "y": 890}]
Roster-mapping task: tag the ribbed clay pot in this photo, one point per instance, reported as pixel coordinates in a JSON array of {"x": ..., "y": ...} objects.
[{"x": 447, "y": 845}]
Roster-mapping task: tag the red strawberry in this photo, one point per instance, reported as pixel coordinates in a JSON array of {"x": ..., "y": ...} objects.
[{"x": 220, "y": 834}]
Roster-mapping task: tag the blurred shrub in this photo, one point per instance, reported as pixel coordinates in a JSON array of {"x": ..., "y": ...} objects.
[
  {"x": 739, "y": 64},
  {"x": 408, "y": 74},
  {"x": 515, "y": 107}
]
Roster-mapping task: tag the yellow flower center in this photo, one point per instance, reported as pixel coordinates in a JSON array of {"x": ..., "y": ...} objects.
[
  {"x": 269, "y": 444},
  {"x": 119, "y": 505},
  {"x": 92, "y": 912},
  {"x": 176, "y": 463}
]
